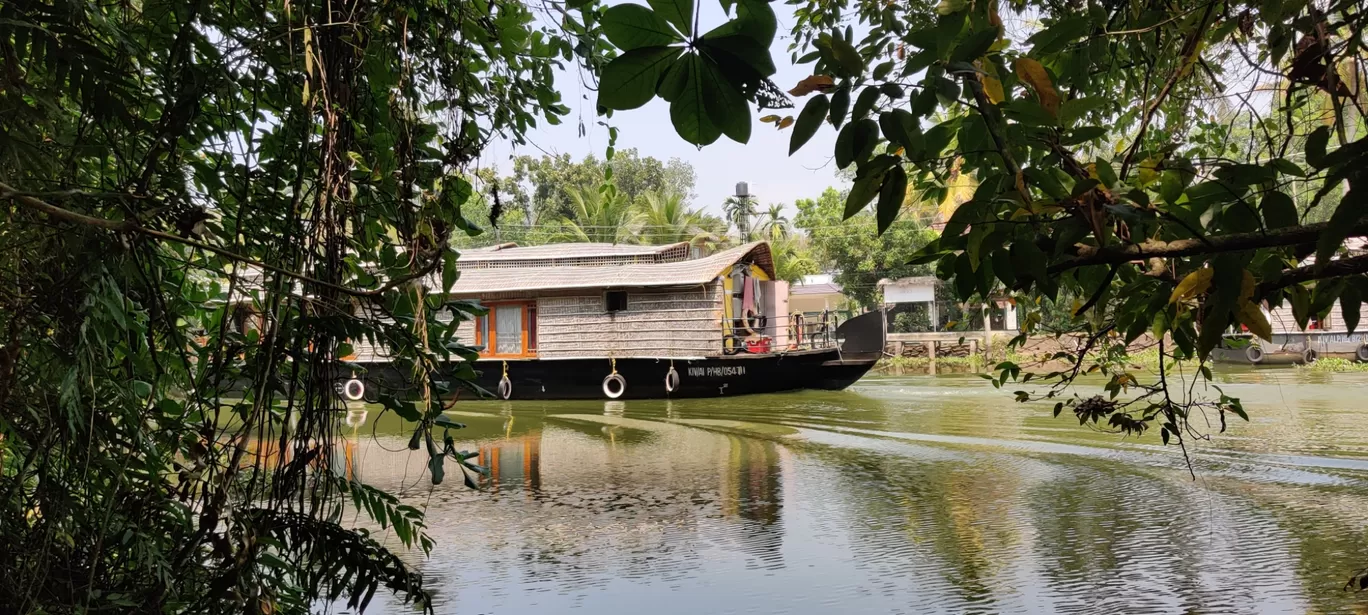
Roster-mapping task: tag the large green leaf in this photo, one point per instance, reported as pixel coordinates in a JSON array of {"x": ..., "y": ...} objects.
[
  {"x": 742, "y": 48},
  {"x": 865, "y": 102},
  {"x": 689, "y": 112},
  {"x": 891, "y": 196},
  {"x": 631, "y": 79},
  {"x": 845, "y": 147},
  {"x": 1316, "y": 143},
  {"x": 901, "y": 128},
  {"x": 840, "y": 104},
  {"x": 723, "y": 102},
  {"x": 975, "y": 46},
  {"x": 1278, "y": 210},
  {"x": 1351, "y": 210},
  {"x": 1351, "y": 301},
  {"x": 862, "y": 192},
  {"x": 679, "y": 13},
  {"x": 809, "y": 120},
  {"x": 673, "y": 82},
  {"x": 632, "y": 26},
  {"x": 856, "y": 142},
  {"x": 1071, "y": 110},
  {"x": 1059, "y": 34},
  {"x": 847, "y": 56},
  {"x": 754, "y": 19},
  {"x": 1029, "y": 112},
  {"x": 1245, "y": 174}
]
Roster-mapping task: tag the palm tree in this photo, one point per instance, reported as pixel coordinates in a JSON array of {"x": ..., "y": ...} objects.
[
  {"x": 602, "y": 215},
  {"x": 934, "y": 203},
  {"x": 664, "y": 218},
  {"x": 714, "y": 235},
  {"x": 774, "y": 224},
  {"x": 740, "y": 210},
  {"x": 792, "y": 259}
]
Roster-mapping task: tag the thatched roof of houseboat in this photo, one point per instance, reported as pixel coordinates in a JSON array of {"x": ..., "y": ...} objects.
[
  {"x": 538, "y": 274},
  {"x": 560, "y": 252}
]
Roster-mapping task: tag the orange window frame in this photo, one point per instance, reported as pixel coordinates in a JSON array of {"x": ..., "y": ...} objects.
[{"x": 528, "y": 310}]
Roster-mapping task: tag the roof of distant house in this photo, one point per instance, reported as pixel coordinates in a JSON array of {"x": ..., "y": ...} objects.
[
  {"x": 916, "y": 280},
  {"x": 822, "y": 288},
  {"x": 567, "y": 266}
]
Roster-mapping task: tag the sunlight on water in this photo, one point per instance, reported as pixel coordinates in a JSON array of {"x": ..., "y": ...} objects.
[{"x": 909, "y": 494}]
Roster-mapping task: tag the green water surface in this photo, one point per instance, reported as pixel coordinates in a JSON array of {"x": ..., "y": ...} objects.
[{"x": 906, "y": 494}]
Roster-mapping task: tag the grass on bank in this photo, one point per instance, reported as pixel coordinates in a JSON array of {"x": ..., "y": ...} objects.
[{"x": 1334, "y": 365}]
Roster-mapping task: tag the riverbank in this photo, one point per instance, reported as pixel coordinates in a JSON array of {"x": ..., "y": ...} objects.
[{"x": 1036, "y": 354}]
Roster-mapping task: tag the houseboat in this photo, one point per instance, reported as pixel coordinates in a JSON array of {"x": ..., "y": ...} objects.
[
  {"x": 608, "y": 321},
  {"x": 1322, "y": 337}
]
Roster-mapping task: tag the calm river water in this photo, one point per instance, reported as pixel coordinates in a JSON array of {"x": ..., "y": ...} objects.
[{"x": 908, "y": 494}]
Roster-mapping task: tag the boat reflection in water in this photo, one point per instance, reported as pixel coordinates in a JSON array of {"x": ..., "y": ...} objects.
[{"x": 512, "y": 462}]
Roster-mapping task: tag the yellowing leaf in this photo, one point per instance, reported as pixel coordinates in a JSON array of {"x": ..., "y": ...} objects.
[
  {"x": 815, "y": 83},
  {"x": 950, "y": 7},
  {"x": 1191, "y": 60},
  {"x": 1033, "y": 73},
  {"x": 992, "y": 86},
  {"x": 1246, "y": 287},
  {"x": 785, "y": 123},
  {"x": 1149, "y": 171},
  {"x": 1194, "y": 284},
  {"x": 769, "y": 118},
  {"x": 308, "y": 51},
  {"x": 1253, "y": 318}
]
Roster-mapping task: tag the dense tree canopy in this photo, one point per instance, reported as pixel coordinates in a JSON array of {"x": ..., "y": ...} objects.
[
  {"x": 203, "y": 203},
  {"x": 542, "y": 187},
  {"x": 1164, "y": 161}
]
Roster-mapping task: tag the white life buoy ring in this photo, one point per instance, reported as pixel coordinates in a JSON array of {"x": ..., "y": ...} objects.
[
  {"x": 354, "y": 389},
  {"x": 671, "y": 380},
  {"x": 1254, "y": 354},
  {"x": 1362, "y": 352},
  {"x": 621, "y": 385},
  {"x": 1310, "y": 355},
  {"x": 505, "y": 387}
]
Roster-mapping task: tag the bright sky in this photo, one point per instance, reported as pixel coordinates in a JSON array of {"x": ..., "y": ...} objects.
[{"x": 773, "y": 175}]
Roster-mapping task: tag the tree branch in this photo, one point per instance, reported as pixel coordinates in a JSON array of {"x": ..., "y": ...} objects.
[
  {"x": 1092, "y": 255},
  {"x": 1097, "y": 294},
  {"x": 1334, "y": 269},
  {"x": 981, "y": 101},
  {"x": 7, "y": 192},
  {"x": 1189, "y": 48}
]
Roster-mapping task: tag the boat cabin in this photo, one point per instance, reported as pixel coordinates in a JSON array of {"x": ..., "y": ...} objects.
[{"x": 595, "y": 300}]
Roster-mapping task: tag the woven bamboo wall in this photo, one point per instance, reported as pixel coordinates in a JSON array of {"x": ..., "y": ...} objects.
[
  {"x": 1281, "y": 320},
  {"x": 656, "y": 323},
  {"x": 366, "y": 352},
  {"x": 667, "y": 323}
]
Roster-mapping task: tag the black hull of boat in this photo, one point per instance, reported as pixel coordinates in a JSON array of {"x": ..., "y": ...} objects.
[{"x": 645, "y": 378}]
